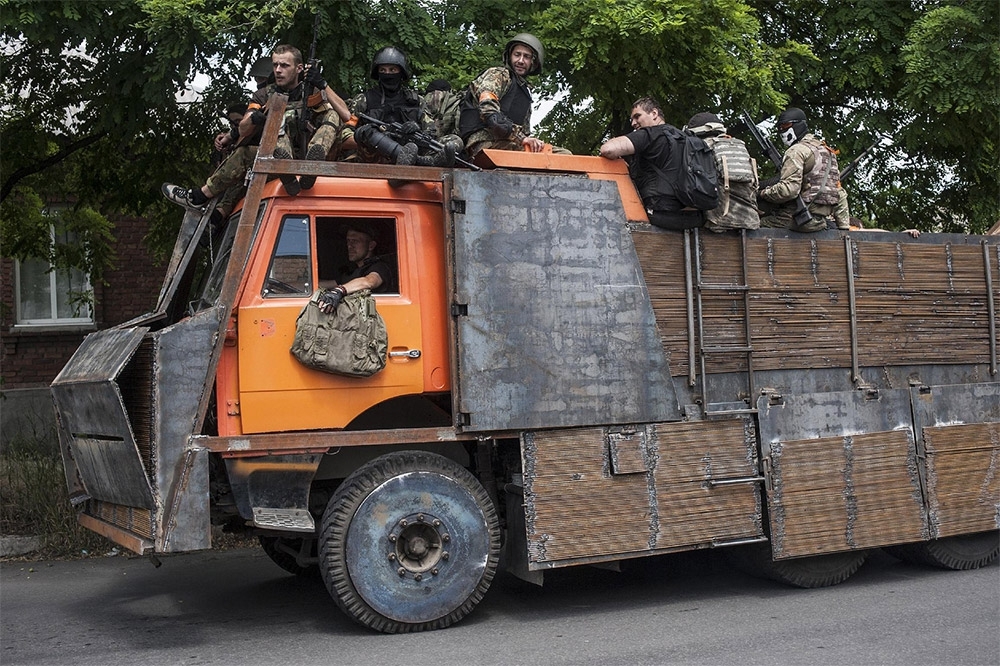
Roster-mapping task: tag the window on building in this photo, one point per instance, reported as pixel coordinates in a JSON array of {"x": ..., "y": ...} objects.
[{"x": 48, "y": 297}]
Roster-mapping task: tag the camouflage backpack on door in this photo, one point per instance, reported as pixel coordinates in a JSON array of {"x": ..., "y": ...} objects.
[{"x": 351, "y": 341}]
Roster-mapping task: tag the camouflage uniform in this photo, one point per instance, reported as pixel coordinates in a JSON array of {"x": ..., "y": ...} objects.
[
  {"x": 228, "y": 179},
  {"x": 796, "y": 167},
  {"x": 359, "y": 105},
  {"x": 324, "y": 123},
  {"x": 486, "y": 93},
  {"x": 443, "y": 107}
]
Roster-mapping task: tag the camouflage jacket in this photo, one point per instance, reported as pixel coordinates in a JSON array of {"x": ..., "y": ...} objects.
[
  {"x": 443, "y": 106},
  {"x": 798, "y": 173},
  {"x": 486, "y": 92}
]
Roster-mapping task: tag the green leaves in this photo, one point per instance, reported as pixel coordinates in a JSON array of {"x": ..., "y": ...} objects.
[{"x": 90, "y": 111}]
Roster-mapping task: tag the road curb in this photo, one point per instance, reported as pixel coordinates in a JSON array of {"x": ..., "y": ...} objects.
[{"x": 12, "y": 546}]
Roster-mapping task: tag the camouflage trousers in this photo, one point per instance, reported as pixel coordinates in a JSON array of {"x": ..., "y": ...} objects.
[
  {"x": 233, "y": 171},
  {"x": 782, "y": 217},
  {"x": 483, "y": 139},
  {"x": 823, "y": 216},
  {"x": 323, "y": 139}
]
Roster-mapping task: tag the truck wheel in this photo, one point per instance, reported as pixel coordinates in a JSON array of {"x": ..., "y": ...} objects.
[
  {"x": 969, "y": 551},
  {"x": 808, "y": 572},
  {"x": 284, "y": 552},
  {"x": 409, "y": 542}
]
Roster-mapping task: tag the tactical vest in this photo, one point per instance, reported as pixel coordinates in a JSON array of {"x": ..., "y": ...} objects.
[
  {"x": 737, "y": 186},
  {"x": 820, "y": 182},
  {"x": 397, "y": 109},
  {"x": 515, "y": 104}
]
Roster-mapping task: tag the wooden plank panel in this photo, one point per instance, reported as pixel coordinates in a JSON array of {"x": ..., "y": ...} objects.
[
  {"x": 917, "y": 302},
  {"x": 963, "y": 477},
  {"x": 842, "y": 493},
  {"x": 576, "y": 508},
  {"x": 702, "y": 450},
  {"x": 693, "y": 514}
]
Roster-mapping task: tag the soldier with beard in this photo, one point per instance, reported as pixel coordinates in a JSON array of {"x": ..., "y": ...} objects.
[{"x": 496, "y": 107}]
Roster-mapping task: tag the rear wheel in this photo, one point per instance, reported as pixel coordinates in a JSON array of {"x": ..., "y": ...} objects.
[
  {"x": 808, "y": 572},
  {"x": 409, "y": 542},
  {"x": 294, "y": 555},
  {"x": 969, "y": 551}
]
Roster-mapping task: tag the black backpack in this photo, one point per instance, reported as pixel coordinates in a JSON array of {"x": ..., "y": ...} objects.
[{"x": 697, "y": 184}]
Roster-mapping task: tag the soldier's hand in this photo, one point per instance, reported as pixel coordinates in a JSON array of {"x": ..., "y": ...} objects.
[
  {"x": 408, "y": 129},
  {"x": 533, "y": 145},
  {"x": 499, "y": 125},
  {"x": 330, "y": 299},
  {"x": 315, "y": 78}
]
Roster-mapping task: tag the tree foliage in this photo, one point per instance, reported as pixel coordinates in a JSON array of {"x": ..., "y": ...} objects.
[{"x": 90, "y": 113}]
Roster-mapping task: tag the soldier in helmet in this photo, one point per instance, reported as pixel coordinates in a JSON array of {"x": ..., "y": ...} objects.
[
  {"x": 809, "y": 168},
  {"x": 261, "y": 72},
  {"x": 392, "y": 101},
  {"x": 496, "y": 107}
]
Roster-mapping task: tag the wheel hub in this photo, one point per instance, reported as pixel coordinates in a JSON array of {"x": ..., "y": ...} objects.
[{"x": 417, "y": 545}]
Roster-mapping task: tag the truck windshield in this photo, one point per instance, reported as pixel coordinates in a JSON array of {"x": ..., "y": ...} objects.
[{"x": 212, "y": 285}]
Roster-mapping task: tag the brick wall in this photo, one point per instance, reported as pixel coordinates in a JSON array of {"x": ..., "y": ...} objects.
[{"x": 32, "y": 357}]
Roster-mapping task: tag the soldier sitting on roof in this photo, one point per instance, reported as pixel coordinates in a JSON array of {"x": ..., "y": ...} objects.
[
  {"x": 325, "y": 108},
  {"x": 393, "y": 102}
]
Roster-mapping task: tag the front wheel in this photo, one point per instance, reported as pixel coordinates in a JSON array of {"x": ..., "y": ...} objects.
[{"x": 409, "y": 542}]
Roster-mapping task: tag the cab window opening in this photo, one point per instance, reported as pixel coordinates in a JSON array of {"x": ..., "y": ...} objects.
[{"x": 336, "y": 262}]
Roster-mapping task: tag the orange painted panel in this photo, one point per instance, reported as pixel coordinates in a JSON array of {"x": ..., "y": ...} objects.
[
  {"x": 596, "y": 168},
  {"x": 276, "y": 392}
]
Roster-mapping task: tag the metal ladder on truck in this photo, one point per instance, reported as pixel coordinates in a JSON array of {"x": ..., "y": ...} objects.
[{"x": 701, "y": 292}]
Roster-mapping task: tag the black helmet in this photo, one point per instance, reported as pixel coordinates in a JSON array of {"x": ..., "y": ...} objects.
[
  {"x": 438, "y": 84},
  {"x": 531, "y": 42},
  {"x": 261, "y": 67},
  {"x": 705, "y": 123},
  {"x": 390, "y": 55},
  {"x": 792, "y": 125}
]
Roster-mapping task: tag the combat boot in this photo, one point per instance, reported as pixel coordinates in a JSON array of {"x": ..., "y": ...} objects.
[
  {"x": 316, "y": 153},
  {"x": 407, "y": 155},
  {"x": 289, "y": 180}
]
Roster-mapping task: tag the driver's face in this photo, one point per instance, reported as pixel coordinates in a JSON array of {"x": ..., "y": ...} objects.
[{"x": 359, "y": 246}]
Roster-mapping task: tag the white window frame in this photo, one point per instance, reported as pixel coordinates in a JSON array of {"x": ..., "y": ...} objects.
[{"x": 84, "y": 316}]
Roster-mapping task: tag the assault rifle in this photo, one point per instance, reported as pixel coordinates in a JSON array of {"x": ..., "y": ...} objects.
[
  {"x": 421, "y": 139},
  {"x": 801, "y": 213},
  {"x": 306, "y": 91},
  {"x": 846, "y": 172}
]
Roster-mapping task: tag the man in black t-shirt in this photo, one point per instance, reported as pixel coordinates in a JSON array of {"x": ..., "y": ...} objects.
[
  {"x": 364, "y": 270},
  {"x": 655, "y": 161}
]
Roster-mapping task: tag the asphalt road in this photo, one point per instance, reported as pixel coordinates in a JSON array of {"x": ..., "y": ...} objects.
[{"x": 237, "y": 607}]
